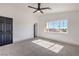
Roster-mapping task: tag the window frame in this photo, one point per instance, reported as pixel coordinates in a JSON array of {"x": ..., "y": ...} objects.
[{"x": 45, "y": 29}]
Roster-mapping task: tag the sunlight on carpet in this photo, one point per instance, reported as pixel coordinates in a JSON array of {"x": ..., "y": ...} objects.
[
  {"x": 56, "y": 48},
  {"x": 49, "y": 45},
  {"x": 43, "y": 43}
]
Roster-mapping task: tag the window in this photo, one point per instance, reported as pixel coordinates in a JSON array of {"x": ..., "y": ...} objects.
[{"x": 57, "y": 26}]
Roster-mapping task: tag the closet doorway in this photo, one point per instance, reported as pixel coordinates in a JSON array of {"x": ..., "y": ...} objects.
[
  {"x": 35, "y": 30},
  {"x": 6, "y": 30}
]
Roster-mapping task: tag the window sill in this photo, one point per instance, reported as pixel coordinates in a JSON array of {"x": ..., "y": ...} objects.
[{"x": 57, "y": 32}]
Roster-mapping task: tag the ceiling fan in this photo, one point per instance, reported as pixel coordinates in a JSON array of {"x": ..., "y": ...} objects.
[{"x": 39, "y": 8}]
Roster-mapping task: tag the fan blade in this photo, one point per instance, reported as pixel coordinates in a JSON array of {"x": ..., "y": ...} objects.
[
  {"x": 41, "y": 11},
  {"x": 45, "y": 8},
  {"x": 32, "y": 7},
  {"x": 35, "y": 11}
]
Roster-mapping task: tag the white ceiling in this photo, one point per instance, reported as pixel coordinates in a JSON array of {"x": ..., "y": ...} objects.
[
  {"x": 59, "y": 7},
  {"x": 55, "y": 7}
]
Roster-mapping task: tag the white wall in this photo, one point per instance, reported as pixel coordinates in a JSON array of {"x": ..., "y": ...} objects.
[
  {"x": 73, "y": 27},
  {"x": 23, "y": 20}
]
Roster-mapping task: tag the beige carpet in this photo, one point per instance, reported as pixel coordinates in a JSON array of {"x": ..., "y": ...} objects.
[
  {"x": 28, "y": 48},
  {"x": 43, "y": 43},
  {"x": 49, "y": 45}
]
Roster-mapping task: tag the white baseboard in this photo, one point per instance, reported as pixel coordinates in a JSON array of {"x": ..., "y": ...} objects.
[
  {"x": 61, "y": 41},
  {"x": 14, "y": 41}
]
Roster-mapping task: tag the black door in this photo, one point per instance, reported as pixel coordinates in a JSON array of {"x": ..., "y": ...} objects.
[
  {"x": 1, "y": 30},
  {"x": 5, "y": 30},
  {"x": 8, "y": 31}
]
